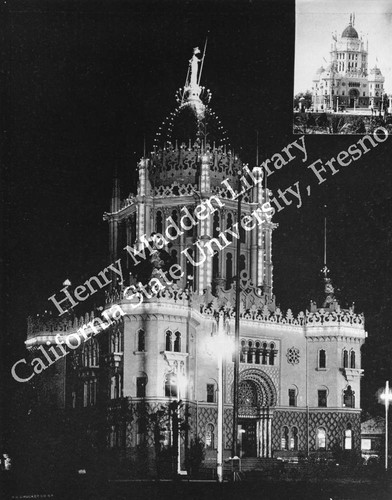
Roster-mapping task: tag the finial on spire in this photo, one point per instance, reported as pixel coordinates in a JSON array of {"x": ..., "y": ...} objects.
[
  {"x": 328, "y": 287},
  {"x": 351, "y": 19}
]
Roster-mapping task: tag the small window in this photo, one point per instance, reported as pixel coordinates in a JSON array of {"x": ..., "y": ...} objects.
[
  {"x": 168, "y": 344},
  {"x": 321, "y": 439},
  {"x": 349, "y": 398},
  {"x": 210, "y": 393},
  {"x": 322, "y": 359},
  {"x": 348, "y": 438},
  {"x": 322, "y": 398},
  {"x": 141, "y": 341},
  {"x": 352, "y": 359},
  {"x": 345, "y": 359},
  {"x": 292, "y": 397},
  {"x": 141, "y": 383},
  {"x": 177, "y": 342},
  {"x": 272, "y": 354}
]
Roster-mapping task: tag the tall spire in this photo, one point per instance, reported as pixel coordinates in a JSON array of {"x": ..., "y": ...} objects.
[{"x": 328, "y": 287}]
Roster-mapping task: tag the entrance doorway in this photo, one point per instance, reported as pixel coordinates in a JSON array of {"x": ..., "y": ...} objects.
[
  {"x": 248, "y": 437},
  {"x": 354, "y": 94}
]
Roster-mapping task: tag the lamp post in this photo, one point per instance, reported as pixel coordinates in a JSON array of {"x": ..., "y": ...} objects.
[
  {"x": 181, "y": 384},
  {"x": 387, "y": 397},
  {"x": 221, "y": 346}
]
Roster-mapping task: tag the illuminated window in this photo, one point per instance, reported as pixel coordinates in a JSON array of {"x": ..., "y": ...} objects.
[
  {"x": 348, "y": 438},
  {"x": 294, "y": 439},
  {"x": 321, "y": 439},
  {"x": 170, "y": 386},
  {"x": 366, "y": 444},
  {"x": 210, "y": 437},
  {"x": 285, "y": 438}
]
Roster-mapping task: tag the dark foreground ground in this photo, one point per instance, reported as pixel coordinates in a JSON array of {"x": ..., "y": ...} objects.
[{"x": 84, "y": 489}]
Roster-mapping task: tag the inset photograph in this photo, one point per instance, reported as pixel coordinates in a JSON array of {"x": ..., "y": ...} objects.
[{"x": 343, "y": 67}]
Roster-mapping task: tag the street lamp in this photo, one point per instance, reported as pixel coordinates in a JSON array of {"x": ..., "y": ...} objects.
[
  {"x": 181, "y": 389},
  {"x": 387, "y": 397},
  {"x": 221, "y": 346}
]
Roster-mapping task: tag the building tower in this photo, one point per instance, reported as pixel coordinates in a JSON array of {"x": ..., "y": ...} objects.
[{"x": 299, "y": 379}]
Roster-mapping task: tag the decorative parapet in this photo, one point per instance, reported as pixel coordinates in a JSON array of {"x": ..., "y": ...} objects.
[
  {"x": 47, "y": 325},
  {"x": 255, "y": 306}
]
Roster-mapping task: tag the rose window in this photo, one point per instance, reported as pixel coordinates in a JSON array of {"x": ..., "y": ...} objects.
[
  {"x": 292, "y": 355},
  {"x": 247, "y": 394}
]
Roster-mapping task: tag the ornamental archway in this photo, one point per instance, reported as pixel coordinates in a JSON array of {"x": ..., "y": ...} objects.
[{"x": 256, "y": 397}]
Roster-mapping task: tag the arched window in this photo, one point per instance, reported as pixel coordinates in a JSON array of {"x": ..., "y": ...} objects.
[
  {"x": 322, "y": 398},
  {"x": 352, "y": 359},
  {"x": 250, "y": 352},
  {"x": 321, "y": 439},
  {"x": 229, "y": 224},
  {"x": 322, "y": 359},
  {"x": 242, "y": 232},
  {"x": 345, "y": 359},
  {"x": 349, "y": 398},
  {"x": 229, "y": 268},
  {"x": 215, "y": 265},
  {"x": 177, "y": 342},
  {"x": 242, "y": 263},
  {"x": 292, "y": 397},
  {"x": 264, "y": 353},
  {"x": 141, "y": 338},
  {"x": 159, "y": 222},
  {"x": 168, "y": 345},
  {"x": 257, "y": 353},
  {"x": 94, "y": 353},
  {"x": 215, "y": 228},
  {"x": 294, "y": 439},
  {"x": 272, "y": 354},
  {"x": 210, "y": 437},
  {"x": 141, "y": 383},
  {"x": 242, "y": 351},
  {"x": 348, "y": 438},
  {"x": 285, "y": 438}
]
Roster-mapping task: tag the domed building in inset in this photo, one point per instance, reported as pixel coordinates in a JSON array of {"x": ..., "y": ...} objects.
[{"x": 346, "y": 81}]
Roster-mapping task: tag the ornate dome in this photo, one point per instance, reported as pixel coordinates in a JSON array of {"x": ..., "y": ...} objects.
[
  {"x": 191, "y": 130},
  {"x": 350, "y": 32}
]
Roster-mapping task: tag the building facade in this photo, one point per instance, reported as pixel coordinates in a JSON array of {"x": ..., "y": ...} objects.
[
  {"x": 346, "y": 81},
  {"x": 299, "y": 376}
]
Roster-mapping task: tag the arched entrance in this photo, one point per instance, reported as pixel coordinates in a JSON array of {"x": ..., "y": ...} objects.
[
  {"x": 256, "y": 397},
  {"x": 353, "y": 95}
]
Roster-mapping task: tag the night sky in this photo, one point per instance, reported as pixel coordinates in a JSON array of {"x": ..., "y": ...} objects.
[{"x": 84, "y": 83}]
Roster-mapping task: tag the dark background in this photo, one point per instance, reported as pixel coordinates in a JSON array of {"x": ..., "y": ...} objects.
[{"x": 84, "y": 83}]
